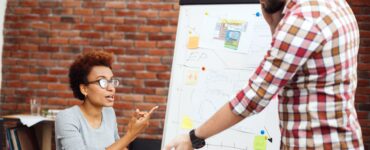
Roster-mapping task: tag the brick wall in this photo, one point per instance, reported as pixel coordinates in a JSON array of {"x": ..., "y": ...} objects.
[
  {"x": 42, "y": 39},
  {"x": 361, "y": 8}
]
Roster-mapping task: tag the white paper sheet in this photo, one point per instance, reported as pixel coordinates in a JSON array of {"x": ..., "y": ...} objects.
[{"x": 30, "y": 120}]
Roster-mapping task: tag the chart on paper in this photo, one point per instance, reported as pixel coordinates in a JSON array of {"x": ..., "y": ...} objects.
[{"x": 217, "y": 49}]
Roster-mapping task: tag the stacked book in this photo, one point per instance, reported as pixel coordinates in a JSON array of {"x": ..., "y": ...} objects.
[{"x": 21, "y": 138}]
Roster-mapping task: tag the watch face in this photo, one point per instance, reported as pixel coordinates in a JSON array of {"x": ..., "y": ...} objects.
[
  {"x": 199, "y": 144},
  {"x": 195, "y": 141}
]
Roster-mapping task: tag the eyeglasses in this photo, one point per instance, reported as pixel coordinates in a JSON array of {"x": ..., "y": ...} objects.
[{"x": 103, "y": 83}]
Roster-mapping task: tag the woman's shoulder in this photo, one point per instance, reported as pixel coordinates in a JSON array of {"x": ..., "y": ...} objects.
[{"x": 68, "y": 114}]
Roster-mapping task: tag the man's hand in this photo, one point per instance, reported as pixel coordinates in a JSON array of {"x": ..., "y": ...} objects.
[
  {"x": 272, "y": 19},
  {"x": 181, "y": 142}
]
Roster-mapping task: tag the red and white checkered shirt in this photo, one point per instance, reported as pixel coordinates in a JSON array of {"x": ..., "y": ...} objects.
[{"x": 312, "y": 66}]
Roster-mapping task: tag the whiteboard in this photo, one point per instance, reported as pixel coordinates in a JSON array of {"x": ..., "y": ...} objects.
[{"x": 217, "y": 49}]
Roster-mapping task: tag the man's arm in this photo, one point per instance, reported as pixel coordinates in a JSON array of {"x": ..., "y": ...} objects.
[{"x": 221, "y": 120}]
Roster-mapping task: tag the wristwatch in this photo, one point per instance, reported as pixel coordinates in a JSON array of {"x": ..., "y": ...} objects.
[{"x": 196, "y": 142}]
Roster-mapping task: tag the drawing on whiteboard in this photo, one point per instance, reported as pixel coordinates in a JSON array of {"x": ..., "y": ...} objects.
[
  {"x": 232, "y": 39},
  {"x": 191, "y": 77},
  {"x": 226, "y": 33},
  {"x": 230, "y": 31}
]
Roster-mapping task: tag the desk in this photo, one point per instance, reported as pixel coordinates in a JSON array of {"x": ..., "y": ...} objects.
[{"x": 43, "y": 130}]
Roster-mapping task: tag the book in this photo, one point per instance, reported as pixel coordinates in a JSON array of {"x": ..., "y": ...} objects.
[
  {"x": 14, "y": 139},
  {"x": 8, "y": 139}
]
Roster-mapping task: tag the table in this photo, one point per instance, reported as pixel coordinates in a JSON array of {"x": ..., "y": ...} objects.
[{"x": 43, "y": 129}]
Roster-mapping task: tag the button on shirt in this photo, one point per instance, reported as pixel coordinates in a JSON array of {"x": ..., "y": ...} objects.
[{"x": 311, "y": 65}]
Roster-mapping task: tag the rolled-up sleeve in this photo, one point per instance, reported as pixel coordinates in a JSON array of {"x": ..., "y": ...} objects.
[{"x": 292, "y": 44}]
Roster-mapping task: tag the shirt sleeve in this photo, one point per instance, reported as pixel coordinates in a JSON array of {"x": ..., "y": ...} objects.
[{"x": 292, "y": 44}]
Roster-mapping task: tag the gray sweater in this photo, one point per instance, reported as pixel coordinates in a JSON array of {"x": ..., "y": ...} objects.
[{"x": 73, "y": 132}]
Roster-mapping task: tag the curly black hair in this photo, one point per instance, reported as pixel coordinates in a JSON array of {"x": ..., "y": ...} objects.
[{"x": 82, "y": 66}]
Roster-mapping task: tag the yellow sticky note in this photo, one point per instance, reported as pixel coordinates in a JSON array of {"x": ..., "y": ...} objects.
[
  {"x": 191, "y": 77},
  {"x": 186, "y": 123},
  {"x": 193, "y": 41},
  {"x": 259, "y": 142}
]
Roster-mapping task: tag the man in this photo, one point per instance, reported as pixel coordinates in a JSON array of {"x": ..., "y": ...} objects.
[{"x": 311, "y": 65}]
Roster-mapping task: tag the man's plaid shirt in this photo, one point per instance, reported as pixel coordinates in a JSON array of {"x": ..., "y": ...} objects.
[{"x": 312, "y": 66}]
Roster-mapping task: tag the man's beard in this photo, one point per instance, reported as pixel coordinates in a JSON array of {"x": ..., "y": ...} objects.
[{"x": 273, "y": 6}]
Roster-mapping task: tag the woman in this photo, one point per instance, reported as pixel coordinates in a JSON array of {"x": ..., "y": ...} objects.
[{"x": 92, "y": 125}]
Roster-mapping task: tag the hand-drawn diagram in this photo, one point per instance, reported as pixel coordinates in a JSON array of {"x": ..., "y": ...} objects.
[{"x": 216, "y": 52}]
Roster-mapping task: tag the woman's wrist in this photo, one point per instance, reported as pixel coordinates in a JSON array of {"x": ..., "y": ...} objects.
[{"x": 130, "y": 136}]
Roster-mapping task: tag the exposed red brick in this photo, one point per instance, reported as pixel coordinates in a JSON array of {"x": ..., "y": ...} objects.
[
  {"x": 41, "y": 11},
  {"x": 83, "y": 11},
  {"x": 156, "y": 37},
  {"x": 125, "y": 28},
  {"x": 115, "y": 4},
  {"x": 361, "y": 3},
  {"x": 129, "y": 36},
  {"x": 162, "y": 7},
  {"x": 29, "y": 3},
  {"x": 82, "y": 27},
  {"x": 145, "y": 44},
  {"x": 144, "y": 90},
  {"x": 161, "y": 22},
  {"x": 155, "y": 99},
  {"x": 58, "y": 41},
  {"x": 91, "y": 35},
  {"x": 155, "y": 84},
  {"x": 125, "y": 13},
  {"x": 22, "y": 11},
  {"x": 170, "y": 14},
  {"x": 71, "y": 3},
  {"x": 127, "y": 59},
  {"x": 153, "y": 29},
  {"x": 150, "y": 59},
  {"x": 103, "y": 27},
  {"x": 68, "y": 33},
  {"x": 147, "y": 14},
  {"x": 116, "y": 20},
  {"x": 106, "y": 12},
  {"x": 134, "y": 21},
  {"x": 43, "y": 26},
  {"x": 93, "y": 4}
]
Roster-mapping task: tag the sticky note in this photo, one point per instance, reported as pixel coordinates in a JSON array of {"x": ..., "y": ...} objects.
[
  {"x": 259, "y": 142},
  {"x": 193, "y": 41},
  {"x": 191, "y": 77},
  {"x": 186, "y": 123}
]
